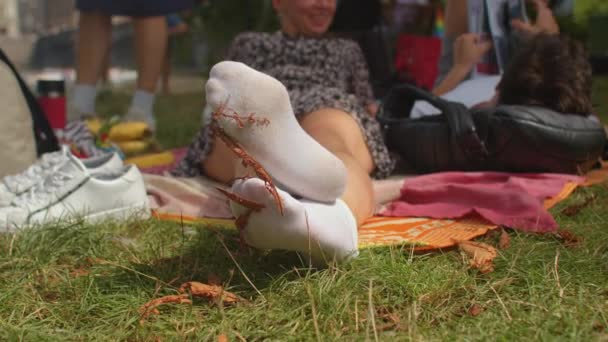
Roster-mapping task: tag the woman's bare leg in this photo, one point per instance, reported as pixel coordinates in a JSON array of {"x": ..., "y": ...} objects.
[
  {"x": 326, "y": 231},
  {"x": 219, "y": 164},
  {"x": 338, "y": 132},
  {"x": 318, "y": 221}
]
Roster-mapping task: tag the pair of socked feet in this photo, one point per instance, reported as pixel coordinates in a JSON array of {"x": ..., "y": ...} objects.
[{"x": 253, "y": 109}]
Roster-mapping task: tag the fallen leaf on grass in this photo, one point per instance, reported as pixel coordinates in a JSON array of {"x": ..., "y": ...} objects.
[
  {"x": 391, "y": 319},
  {"x": 209, "y": 291},
  {"x": 505, "y": 241},
  {"x": 475, "y": 310},
  {"x": 150, "y": 307},
  {"x": 79, "y": 272},
  {"x": 598, "y": 327},
  {"x": 196, "y": 289},
  {"x": 481, "y": 255},
  {"x": 569, "y": 238},
  {"x": 574, "y": 209},
  {"x": 222, "y": 338}
]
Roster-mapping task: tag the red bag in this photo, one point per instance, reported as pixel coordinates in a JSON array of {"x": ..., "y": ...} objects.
[{"x": 417, "y": 59}]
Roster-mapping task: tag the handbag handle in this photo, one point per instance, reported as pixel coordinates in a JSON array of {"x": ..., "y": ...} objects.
[{"x": 459, "y": 119}]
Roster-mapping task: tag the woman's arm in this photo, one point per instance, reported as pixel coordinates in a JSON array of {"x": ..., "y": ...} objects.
[
  {"x": 468, "y": 50},
  {"x": 457, "y": 74}
]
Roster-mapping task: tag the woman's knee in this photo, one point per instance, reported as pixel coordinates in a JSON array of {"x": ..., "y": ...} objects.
[
  {"x": 332, "y": 123},
  {"x": 338, "y": 131}
]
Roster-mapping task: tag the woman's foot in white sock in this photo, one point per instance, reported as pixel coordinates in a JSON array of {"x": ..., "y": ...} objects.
[
  {"x": 326, "y": 232},
  {"x": 272, "y": 136}
]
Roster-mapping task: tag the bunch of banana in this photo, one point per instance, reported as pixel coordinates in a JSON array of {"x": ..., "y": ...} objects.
[
  {"x": 133, "y": 138},
  {"x": 151, "y": 159}
]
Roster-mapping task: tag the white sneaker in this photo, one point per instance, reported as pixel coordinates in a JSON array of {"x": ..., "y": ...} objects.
[
  {"x": 72, "y": 192},
  {"x": 14, "y": 185}
]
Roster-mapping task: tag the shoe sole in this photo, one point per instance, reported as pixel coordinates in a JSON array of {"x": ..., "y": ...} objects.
[{"x": 139, "y": 211}]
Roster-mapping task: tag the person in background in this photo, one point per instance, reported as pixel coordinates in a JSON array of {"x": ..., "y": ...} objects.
[
  {"x": 462, "y": 50},
  {"x": 547, "y": 69},
  {"x": 94, "y": 37},
  {"x": 176, "y": 26}
]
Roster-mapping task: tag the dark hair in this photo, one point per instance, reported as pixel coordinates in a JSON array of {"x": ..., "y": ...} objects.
[{"x": 552, "y": 71}]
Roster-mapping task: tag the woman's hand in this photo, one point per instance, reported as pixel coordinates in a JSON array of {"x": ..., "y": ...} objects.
[
  {"x": 468, "y": 51},
  {"x": 469, "y": 48},
  {"x": 544, "y": 23}
]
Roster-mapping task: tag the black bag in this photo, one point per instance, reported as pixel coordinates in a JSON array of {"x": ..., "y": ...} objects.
[
  {"x": 46, "y": 141},
  {"x": 503, "y": 138}
]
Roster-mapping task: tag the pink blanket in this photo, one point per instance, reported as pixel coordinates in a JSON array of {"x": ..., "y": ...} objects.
[
  {"x": 513, "y": 200},
  {"x": 192, "y": 197}
]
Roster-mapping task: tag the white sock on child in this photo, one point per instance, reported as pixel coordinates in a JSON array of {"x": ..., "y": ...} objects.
[
  {"x": 83, "y": 100},
  {"x": 142, "y": 108},
  {"x": 293, "y": 158},
  {"x": 324, "y": 231}
]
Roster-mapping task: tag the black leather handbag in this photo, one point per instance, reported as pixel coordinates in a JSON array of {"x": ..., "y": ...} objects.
[{"x": 503, "y": 138}]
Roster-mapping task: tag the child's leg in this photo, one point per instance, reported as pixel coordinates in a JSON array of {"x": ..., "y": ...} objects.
[
  {"x": 150, "y": 47},
  {"x": 93, "y": 43}
]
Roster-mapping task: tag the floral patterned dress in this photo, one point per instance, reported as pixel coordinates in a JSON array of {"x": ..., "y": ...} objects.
[{"x": 318, "y": 73}]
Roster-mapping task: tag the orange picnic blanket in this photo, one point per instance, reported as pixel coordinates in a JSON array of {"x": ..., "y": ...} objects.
[{"x": 422, "y": 233}]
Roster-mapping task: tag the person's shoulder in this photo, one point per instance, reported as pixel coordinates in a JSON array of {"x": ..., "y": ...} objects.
[
  {"x": 252, "y": 36},
  {"x": 345, "y": 44}
]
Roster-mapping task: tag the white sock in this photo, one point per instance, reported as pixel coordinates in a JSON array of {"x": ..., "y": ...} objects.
[
  {"x": 83, "y": 99},
  {"x": 142, "y": 108},
  {"x": 293, "y": 158},
  {"x": 324, "y": 231}
]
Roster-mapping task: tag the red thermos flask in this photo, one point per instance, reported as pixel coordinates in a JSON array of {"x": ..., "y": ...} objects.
[{"x": 51, "y": 96}]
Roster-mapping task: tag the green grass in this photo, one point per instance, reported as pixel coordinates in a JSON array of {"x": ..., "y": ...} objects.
[
  {"x": 85, "y": 283},
  {"x": 541, "y": 289}
]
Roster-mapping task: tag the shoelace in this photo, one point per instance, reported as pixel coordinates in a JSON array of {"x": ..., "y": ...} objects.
[
  {"x": 42, "y": 192},
  {"x": 33, "y": 173}
]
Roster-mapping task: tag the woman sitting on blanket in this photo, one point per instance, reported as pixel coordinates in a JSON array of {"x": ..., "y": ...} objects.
[
  {"x": 548, "y": 70},
  {"x": 313, "y": 132}
]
